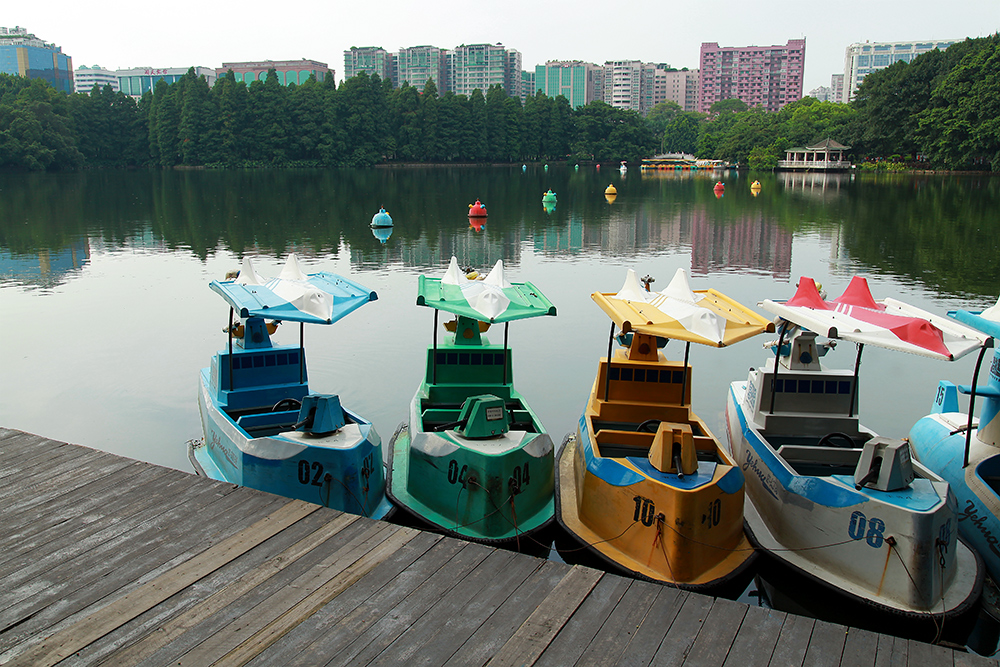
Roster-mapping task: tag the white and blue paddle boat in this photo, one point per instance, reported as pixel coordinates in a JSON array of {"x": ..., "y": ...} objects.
[
  {"x": 473, "y": 460},
  {"x": 847, "y": 510},
  {"x": 966, "y": 451},
  {"x": 643, "y": 483},
  {"x": 263, "y": 426}
]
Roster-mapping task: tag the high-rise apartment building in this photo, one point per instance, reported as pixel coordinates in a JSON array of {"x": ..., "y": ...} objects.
[
  {"x": 23, "y": 54},
  {"x": 861, "y": 59},
  {"x": 527, "y": 85},
  {"x": 629, "y": 84},
  {"x": 369, "y": 59},
  {"x": 417, "y": 64},
  {"x": 837, "y": 88},
  {"x": 138, "y": 80},
  {"x": 479, "y": 66},
  {"x": 767, "y": 76},
  {"x": 288, "y": 71},
  {"x": 85, "y": 78},
  {"x": 680, "y": 86},
  {"x": 575, "y": 80}
]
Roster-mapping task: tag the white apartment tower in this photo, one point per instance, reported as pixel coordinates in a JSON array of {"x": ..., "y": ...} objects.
[{"x": 863, "y": 58}]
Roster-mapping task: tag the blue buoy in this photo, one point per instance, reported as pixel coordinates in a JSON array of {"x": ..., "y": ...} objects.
[{"x": 381, "y": 219}]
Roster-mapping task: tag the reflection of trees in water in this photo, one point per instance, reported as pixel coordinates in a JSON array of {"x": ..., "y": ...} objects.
[{"x": 938, "y": 231}]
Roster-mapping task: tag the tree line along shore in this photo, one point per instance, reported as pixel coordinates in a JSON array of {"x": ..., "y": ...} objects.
[{"x": 940, "y": 111}]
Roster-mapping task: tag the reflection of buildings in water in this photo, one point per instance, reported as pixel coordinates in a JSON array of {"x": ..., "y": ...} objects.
[
  {"x": 624, "y": 232},
  {"x": 478, "y": 249},
  {"x": 814, "y": 183},
  {"x": 47, "y": 268},
  {"x": 750, "y": 243}
]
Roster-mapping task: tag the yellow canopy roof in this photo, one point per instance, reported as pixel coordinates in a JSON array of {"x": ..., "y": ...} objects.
[{"x": 707, "y": 317}]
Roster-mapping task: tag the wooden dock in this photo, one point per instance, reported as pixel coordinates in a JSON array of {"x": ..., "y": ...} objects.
[{"x": 110, "y": 561}]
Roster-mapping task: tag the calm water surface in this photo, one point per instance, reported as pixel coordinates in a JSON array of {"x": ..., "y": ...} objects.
[{"x": 107, "y": 314}]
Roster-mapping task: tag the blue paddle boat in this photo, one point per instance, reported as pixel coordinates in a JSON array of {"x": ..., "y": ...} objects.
[
  {"x": 839, "y": 506},
  {"x": 263, "y": 426},
  {"x": 964, "y": 450}
]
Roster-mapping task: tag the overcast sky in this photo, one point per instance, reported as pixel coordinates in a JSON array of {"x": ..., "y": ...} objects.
[{"x": 185, "y": 32}]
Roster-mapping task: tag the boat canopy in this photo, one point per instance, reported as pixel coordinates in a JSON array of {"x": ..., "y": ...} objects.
[
  {"x": 857, "y": 317},
  {"x": 987, "y": 321},
  {"x": 707, "y": 317},
  {"x": 294, "y": 296},
  {"x": 492, "y": 299}
]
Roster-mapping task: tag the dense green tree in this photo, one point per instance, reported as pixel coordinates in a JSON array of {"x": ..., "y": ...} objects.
[{"x": 960, "y": 128}]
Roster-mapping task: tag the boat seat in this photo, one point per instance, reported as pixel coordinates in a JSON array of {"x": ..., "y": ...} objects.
[
  {"x": 827, "y": 455},
  {"x": 268, "y": 420}
]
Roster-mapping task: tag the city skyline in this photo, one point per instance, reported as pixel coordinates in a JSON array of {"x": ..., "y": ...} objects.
[{"x": 185, "y": 34}]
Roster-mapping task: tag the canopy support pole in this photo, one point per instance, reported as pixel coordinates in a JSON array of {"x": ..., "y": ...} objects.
[
  {"x": 972, "y": 406},
  {"x": 506, "y": 327},
  {"x": 777, "y": 363},
  {"x": 854, "y": 389},
  {"x": 302, "y": 353},
  {"x": 607, "y": 371},
  {"x": 229, "y": 328},
  {"x": 684, "y": 379},
  {"x": 434, "y": 354}
]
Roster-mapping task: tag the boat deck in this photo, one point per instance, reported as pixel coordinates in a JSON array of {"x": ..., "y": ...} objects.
[{"x": 107, "y": 560}]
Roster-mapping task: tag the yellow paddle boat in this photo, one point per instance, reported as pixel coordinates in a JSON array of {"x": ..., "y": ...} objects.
[{"x": 643, "y": 483}]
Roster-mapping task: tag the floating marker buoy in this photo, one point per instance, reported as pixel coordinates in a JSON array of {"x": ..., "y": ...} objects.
[
  {"x": 610, "y": 190},
  {"x": 549, "y": 196},
  {"x": 381, "y": 219},
  {"x": 477, "y": 210}
]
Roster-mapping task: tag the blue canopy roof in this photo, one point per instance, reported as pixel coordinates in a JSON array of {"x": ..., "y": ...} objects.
[{"x": 316, "y": 298}]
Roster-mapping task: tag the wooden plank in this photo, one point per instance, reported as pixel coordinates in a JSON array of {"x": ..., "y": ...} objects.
[
  {"x": 793, "y": 641},
  {"x": 95, "y": 578},
  {"x": 508, "y": 617},
  {"x": 826, "y": 645},
  {"x": 756, "y": 639},
  {"x": 654, "y": 627},
  {"x": 253, "y": 632},
  {"x": 683, "y": 631},
  {"x": 919, "y": 654},
  {"x": 861, "y": 648},
  {"x": 228, "y": 594},
  {"x": 64, "y": 582},
  {"x": 352, "y": 613},
  {"x": 148, "y": 622},
  {"x": 963, "y": 659},
  {"x": 534, "y": 635},
  {"x": 582, "y": 626},
  {"x": 423, "y": 598},
  {"x": 64, "y": 643},
  {"x": 45, "y": 467},
  {"x": 65, "y": 522},
  {"x": 53, "y": 571},
  {"x": 615, "y": 634},
  {"x": 126, "y": 571},
  {"x": 712, "y": 645},
  {"x": 435, "y": 637},
  {"x": 891, "y": 652}
]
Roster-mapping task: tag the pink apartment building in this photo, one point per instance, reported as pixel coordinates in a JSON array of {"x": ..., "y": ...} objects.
[{"x": 767, "y": 76}]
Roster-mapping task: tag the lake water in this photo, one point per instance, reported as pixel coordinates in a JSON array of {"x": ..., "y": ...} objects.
[{"x": 107, "y": 314}]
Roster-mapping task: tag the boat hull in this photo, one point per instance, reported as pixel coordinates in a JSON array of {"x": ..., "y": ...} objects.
[
  {"x": 343, "y": 470},
  {"x": 940, "y": 448},
  {"x": 496, "y": 491},
  {"x": 686, "y": 533},
  {"x": 883, "y": 550}
]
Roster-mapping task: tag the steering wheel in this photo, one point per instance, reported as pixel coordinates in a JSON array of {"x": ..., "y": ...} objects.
[
  {"x": 286, "y": 404},
  {"x": 826, "y": 440},
  {"x": 648, "y": 426}
]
